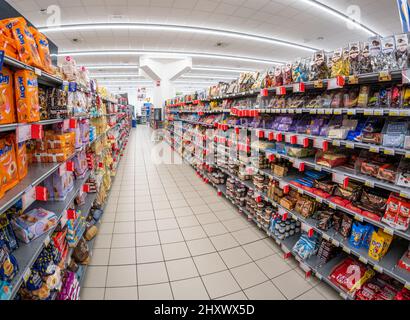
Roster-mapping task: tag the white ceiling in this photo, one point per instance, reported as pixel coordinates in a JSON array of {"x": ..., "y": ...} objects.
[{"x": 291, "y": 20}]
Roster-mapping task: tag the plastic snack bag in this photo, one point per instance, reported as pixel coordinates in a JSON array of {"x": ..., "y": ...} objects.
[
  {"x": 26, "y": 89},
  {"x": 8, "y": 164},
  {"x": 365, "y": 62},
  {"x": 22, "y": 160},
  {"x": 43, "y": 50},
  {"x": 26, "y": 45},
  {"x": 7, "y": 114},
  {"x": 354, "y": 57},
  {"x": 389, "y": 62},
  {"x": 376, "y": 55},
  {"x": 402, "y": 54}
]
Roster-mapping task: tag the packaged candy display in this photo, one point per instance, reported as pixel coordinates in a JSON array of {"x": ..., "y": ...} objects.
[
  {"x": 404, "y": 262},
  {"x": 306, "y": 247},
  {"x": 354, "y": 57},
  {"x": 33, "y": 224},
  {"x": 389, "y": 61},
  {"x": 7, "y": 111},
  {"x": 9, "y": 172},
  {"x": 58, "y": 186},
  {"x": 8, "y": 265},
  {"x": 379, "y": 244}
]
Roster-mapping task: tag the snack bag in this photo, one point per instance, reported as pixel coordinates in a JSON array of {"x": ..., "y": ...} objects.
[
  {"x": 8, "y": 164},
  {"x": 26, "y": 45},
  {"x": 402, "y": 54},
  {"x": 43, "y": 50},
  {"x": 22, "y": 159},
  {"x": 354, "y": 56},
  {"x": 27, "y": 103},
  {"x": 357, "y": 236},
  {"x": 7, "y": 114},
  {"x": 379, "y": 244},
  {"x": 7, "y": 43}
]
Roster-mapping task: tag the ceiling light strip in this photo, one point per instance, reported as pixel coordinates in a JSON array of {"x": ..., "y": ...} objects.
[
  {"x": 336, "y": 13},
  {"x": 166, "y": 54},
  {"x": 175, "y": 28}
]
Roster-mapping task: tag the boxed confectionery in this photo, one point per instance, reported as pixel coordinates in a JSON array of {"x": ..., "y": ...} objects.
[
  {"x": 58, "y": 186},
  {"x": 34, "y": 224}
]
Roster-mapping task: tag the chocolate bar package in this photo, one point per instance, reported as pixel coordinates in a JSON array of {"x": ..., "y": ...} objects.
[
  {"x": 354, "y": 58},
  {"x": 365, "y": 62},
  {"x": 376, "y": 55},
  {"x": 389, "y": 62},
  {"x": 402, "y": 47}
]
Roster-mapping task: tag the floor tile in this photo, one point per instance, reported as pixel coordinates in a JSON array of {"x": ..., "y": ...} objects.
[
  {"x": 124, "y": 227},
  {"x": 147, "y": 239},
  {"x": 224, "y": 242},
  {"x": 106, "y": 228},
  {"x": 258, "y": 250},
  {"x": 124, "y": 293},
  {"x": 235, "y": 257},
  {"x": 235, "y": 296},
  {"x": 161, "y": 205},
  {"x": 178, "y": 203},
  {"x": 181, "y": 269},
  {"x": 146, "y": 226},
  {"x": 191, "y": 289},
  {"x": 312, "y": 294},
  {"x": 125, "y": 217},
  {"x": 182, "y": 212},
  {"x": 170, "y": 236},
  {"x": 192, "y": 233},
  {"x": 291, "y": 284},
  {"x": 215, "y": 229},
  {"x": 152, "y": 273},
  {"x": 174, "y": 251},
  {"x": 248, "y": 275},
  {"x": 100, "y": 257},
  {"x": 207, "y": 218},
  {"x": 123, "y": 240},
  {"x": 273, "y": 266},
  {"x": 220, "y": 284},
  {"x": 121, "y": 276},
  {"x": 155, "y": 292},
  {"x": 245, "y": 236},
  {"x": 189, "y": 221},
  {"x": 209, "y": 263},
  {"x": 92, "y": 294},
  {"x": 149, "y": 254},
  {"x": 164, "y": 214},
  {"x": 200, "y": 246},
  {"x": 103, "y": 241},
  {"x": 200, "y": 209},
  {"x": 144, "y": 215},
  {"x": 122, "y": 256},
  {"x": 167, "y": 224},
  {"x": 236, "y": 224},
  {"x": 264, "y": 291},
  {"x": 95, "y": 277}
]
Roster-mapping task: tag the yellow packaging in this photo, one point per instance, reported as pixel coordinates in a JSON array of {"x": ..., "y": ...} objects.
[
  {"x": 7, "y": 113},
  {"x": 26, "y": 91},
  {"x": 379, "y": 244}
]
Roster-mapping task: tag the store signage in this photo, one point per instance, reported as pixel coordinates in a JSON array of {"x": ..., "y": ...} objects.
[{"x": 264, "y": 92}]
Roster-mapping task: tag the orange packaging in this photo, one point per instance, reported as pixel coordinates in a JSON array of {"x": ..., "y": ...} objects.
[
  {"x": 22, "y": 160},
  {"x": 43, "y": 50},
  {"x": 26, "y": 90},
  {"x": 25, "y": 43},
  {"x": 7, "y": 44},
  {"x": 8, "y": 164},
  {"x": 7, "y": 114}
]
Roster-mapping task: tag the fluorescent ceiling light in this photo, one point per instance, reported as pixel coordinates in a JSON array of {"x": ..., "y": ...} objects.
[
  {"x": 340, "y": 15},
  {"x": 220, "y": 69},
  {"x": 117, "y": 75},
  {"x": 122, "y": 81},
  {"x": 175, "y": 28},
  {"x": 113, "y": 66},
  {"x": 207, "y": 76},
  {"x": 168, "y": 54}
]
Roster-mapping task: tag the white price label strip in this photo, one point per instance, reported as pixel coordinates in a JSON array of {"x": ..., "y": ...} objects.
[{"x": 23, "y": 133}]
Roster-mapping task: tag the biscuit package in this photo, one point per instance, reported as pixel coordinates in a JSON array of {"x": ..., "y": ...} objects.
[
  {"x": 43, "y": 50},
  {"x": 8, "y": 164},
  {"x": 25, "y": 42},
  {"x": 7, "y": 114},
  {"x": 26, "y": 91},
  {"x": 22, "y": 160}
]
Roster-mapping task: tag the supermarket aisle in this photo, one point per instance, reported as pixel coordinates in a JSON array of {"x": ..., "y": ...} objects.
[{"x": 167, "y": 235}]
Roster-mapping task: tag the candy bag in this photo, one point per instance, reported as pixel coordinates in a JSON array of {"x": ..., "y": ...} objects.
[
  {"x": 27, "y": 103},
  {"x": 22, "y": 159},
  {"x": 8, "y": 164},
  {"x": 357, "y": 235},
  {"x": 7, "y": 113},
  {"x": 43, "y": 50}
]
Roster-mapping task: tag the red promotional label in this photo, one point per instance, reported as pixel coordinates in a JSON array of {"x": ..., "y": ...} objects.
[
  {"x": 86, "y": 188},
  {"x": 71, "y": 214},
  {"x": 271, "y": 136},
  {"x": 37, "y": 131},
  {"x": 41, "y": 193},
  {"x": 264, "y": 92},
  {"x": 73, "y": 123},
  {"x": 70, "y": 166},
  {"x": 280, "y": 91}
]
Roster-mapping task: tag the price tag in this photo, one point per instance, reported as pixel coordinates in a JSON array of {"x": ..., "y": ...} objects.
[
  {"x": 37, "y": 72},
  {"x": 313, "y": 111},
  {"x": 318, "y": 168},
  {"x": 26, "y": 275},
  {"x": 291, "y": 111},
  {"x": 385, "y": 76},
  {"x": 350, "y": 145},
  {"x": 404, "y": 113},
  {"x": 337, "y": 111},
  {"x": 319, "y": 199},
  {"x": 404, "y": 195},
  {"x": 389, "y": 231},
  {"x": 298, "y": 87},
  {"x": 301, "y": 191},
  {"x": 23, "y": 133},
  {"x": 347, "y": 250},
  {"x": 368, "y": 112},
  {"x": 351, "y": 112},
  {"x": 389, "y": 152},
  {"x": 47, "y": 241},
  {"x": 358, "y": 217},
  {"x": 369, "y": 184},
  {"x": 374, "y": 149},
  {"x": 335, "y": 243},
  {"x": 363, "y": 259},
  {"x": 318, "y": 84},
  {"x": 353, "y": 79},
  {"x": 407, "y": 285},
  {"x": 394, "y": 113},
  {"x": 336, "y": 143},
  {"x": 407, "y": 155},
  {"x": 336, "y": 83},
  {"x": 378, "y": 269},
  {"x": 325, "y": 236},
  {"x": 320, "y": 111},
  {"x": 332, "y": 205},
  {"x": 319, "y": 276},
  {"x": 378, "y": 112},
  {"x": 299, "y": 111},
  {"x": 329, "y": 111}
]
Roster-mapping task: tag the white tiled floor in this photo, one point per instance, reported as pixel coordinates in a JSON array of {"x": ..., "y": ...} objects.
[{"x": 167, "y": 235}]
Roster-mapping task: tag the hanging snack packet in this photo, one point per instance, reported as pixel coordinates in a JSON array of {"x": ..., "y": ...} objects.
[
  {"x": 22, "y": 159},
  {"x": 43, "y": 50},
  {"x": 287, "y": 74},
  {"x": 402, "y": 47},
  {"x": 26, "y": 88},
  {"x": 26, "y": 45},
  {"x": 354, "y": 58},
  {"x": 7, "y": 114},
  {"x": 389, "y": 62},
  {"x": 365, "y": 62},
  {"x": 337, "y": 68},
  {"x": 376, "y": 55},
  {"x": 357, "y": 235}
]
